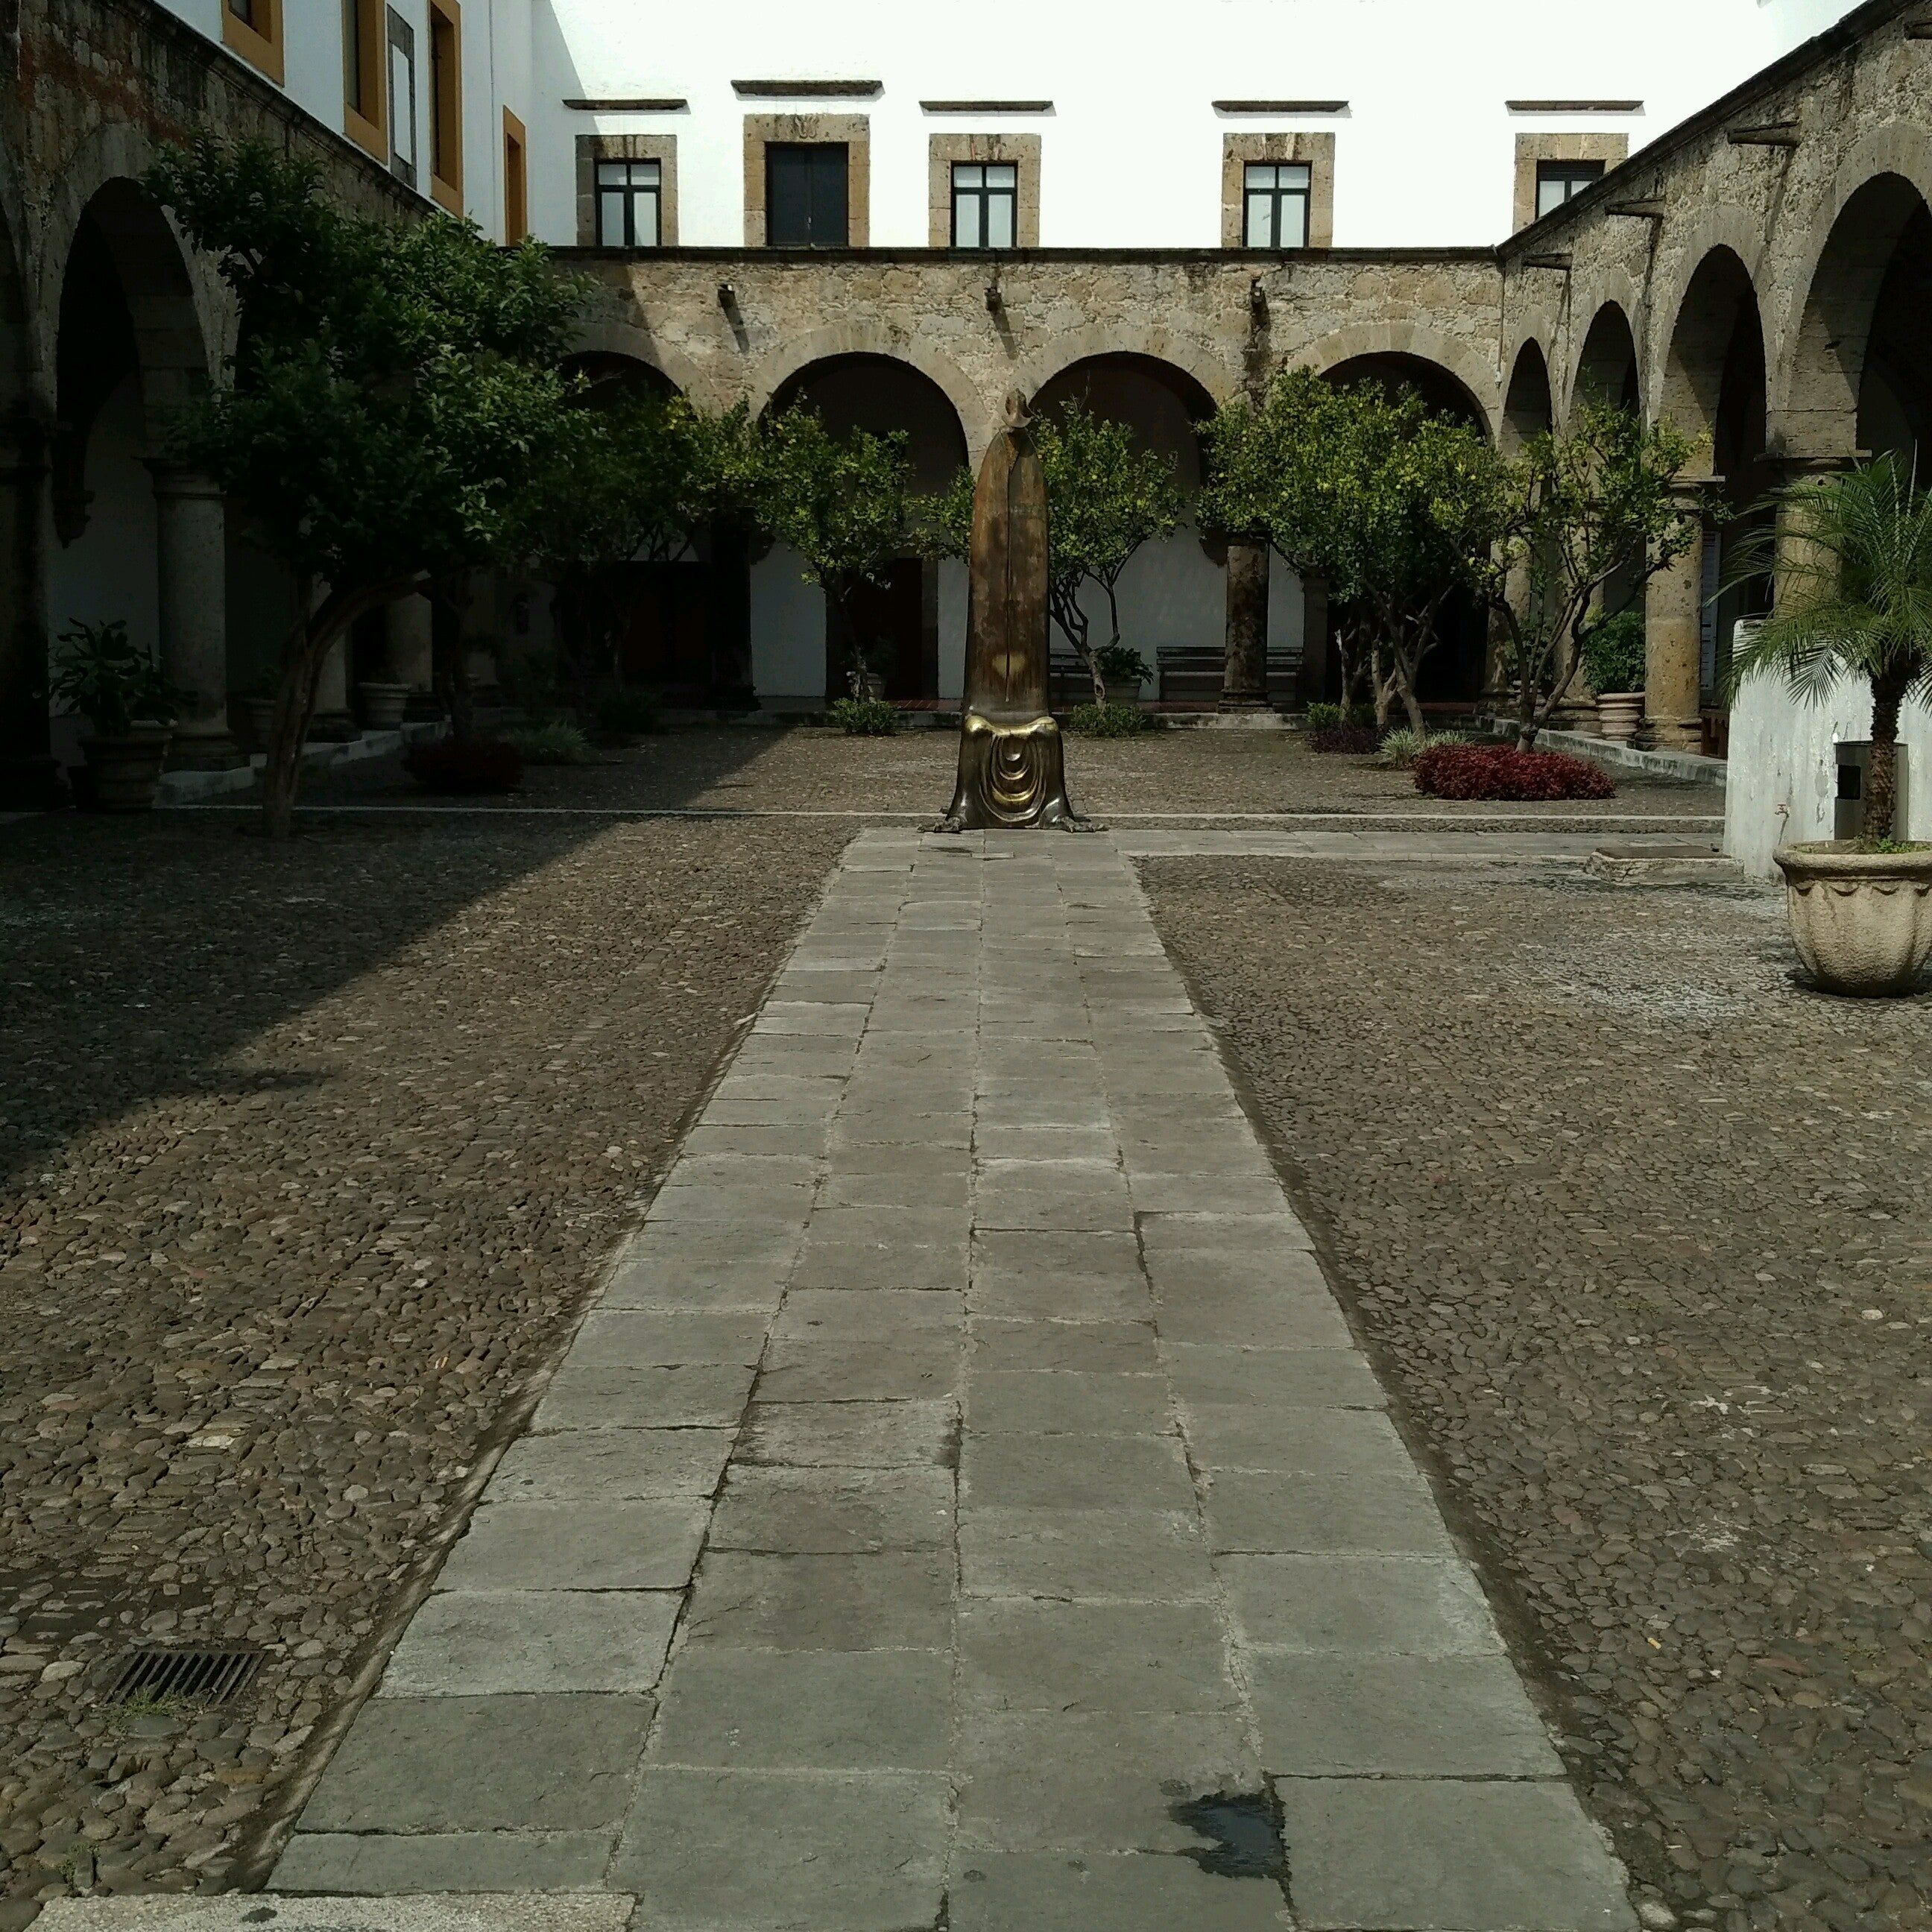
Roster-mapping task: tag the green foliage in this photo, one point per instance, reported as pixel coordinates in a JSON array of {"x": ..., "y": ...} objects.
[
  {"x": 1854, "y": 600},
  {"x": 395, "y": 390},
  {"x": 394, "y": 398},
  {"x": 1395, "y": 505},
  {"x": 1121, "y": 664},
  {"x": 1106, "y": 497},
  {"x": 866, "y": 717},
  {"x": 1333, "y": 717},
  {"x": 1398, "y": 750},
  {"x": 1599, "y": 502},
  {"x": 99, "y": 673},
  {"x": 1113, "y": 720},
  {"x": 556, "y": 741},
  {"x": 1613, "y": 652},
  {"x": 625, "y": 711},
  {"x": 844, "y": 503}
]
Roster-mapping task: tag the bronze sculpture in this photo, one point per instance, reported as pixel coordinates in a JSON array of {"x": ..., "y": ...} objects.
[{"x": 1012, "y": 771}]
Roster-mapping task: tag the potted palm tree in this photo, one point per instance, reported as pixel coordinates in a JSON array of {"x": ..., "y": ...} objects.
[
  {"x": 129, "y": 706},
  {"x": 1854, "y": 601}
]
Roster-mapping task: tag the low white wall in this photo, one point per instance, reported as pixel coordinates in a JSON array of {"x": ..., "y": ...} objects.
[{"x": 1783, "y": 782}]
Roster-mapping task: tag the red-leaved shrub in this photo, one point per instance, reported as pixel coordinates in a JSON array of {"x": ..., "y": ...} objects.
[
  {"x": 1501, "y": 771},
  {"x": 465, "y": 765},
  {"x": 1359, "y": 738}
]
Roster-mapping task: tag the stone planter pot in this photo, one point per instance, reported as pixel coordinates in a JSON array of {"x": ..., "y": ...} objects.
[
  {"x": 1861, "y": 921},
  {"x": 383, "y": 704},
  {"x": 872, "y": 687},
  {"x": 259, "y": 713},
  {"x": 124, "y": 771},
  {"x": 1618, "y": 714}
]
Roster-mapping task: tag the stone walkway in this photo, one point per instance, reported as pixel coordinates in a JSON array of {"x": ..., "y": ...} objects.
[{"x": 965, "y": 1508}]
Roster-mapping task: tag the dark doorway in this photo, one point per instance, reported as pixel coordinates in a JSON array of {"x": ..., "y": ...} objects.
[
  {"x": 663, "y": 634},
  {"x": 805, "y": 194},
  {"x": 898, "y": 621}
]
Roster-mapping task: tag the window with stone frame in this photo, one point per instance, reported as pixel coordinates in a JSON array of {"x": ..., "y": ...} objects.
[
  {"x": 1559, "y": 182},
  {"x": 808, "y": 201},
  {"x": 1276, "y": 197},
  {"x": 630, "y": 204},
  {"x": 985, "y": 204}
]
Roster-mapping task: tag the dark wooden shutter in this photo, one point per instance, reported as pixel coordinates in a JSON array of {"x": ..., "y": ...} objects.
[{"x": 805, "y": 201}]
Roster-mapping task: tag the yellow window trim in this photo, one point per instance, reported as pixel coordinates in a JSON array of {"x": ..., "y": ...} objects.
[
  {"x": 260, "y": 47},
  {"x": 370, "y": 132},
  {"x": 516, "y": 194},
  {"x": 447, "y": 189}
]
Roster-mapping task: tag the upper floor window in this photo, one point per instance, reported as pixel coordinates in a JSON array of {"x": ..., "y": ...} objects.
[
  {"x": 1276, "y": 198},
  {"x": 252, "y": 28},
  {"x": 402, "y": 158},
  {"x": 985, "y": 204},
  {"x": 445, "y": 103},
  {"x": 807, "y": 198},
  {"x": 630, "y": 204},
  {"x": 1559, "y": 182}
]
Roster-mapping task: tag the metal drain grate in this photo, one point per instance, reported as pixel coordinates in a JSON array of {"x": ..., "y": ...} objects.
[{"x": 205, "y": 1676}]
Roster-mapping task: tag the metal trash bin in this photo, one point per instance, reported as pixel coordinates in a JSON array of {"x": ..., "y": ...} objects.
[{"x": 1854, "y": 761}]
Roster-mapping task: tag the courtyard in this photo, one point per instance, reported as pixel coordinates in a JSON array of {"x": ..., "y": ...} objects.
[{"x": 958, "y": 1412}]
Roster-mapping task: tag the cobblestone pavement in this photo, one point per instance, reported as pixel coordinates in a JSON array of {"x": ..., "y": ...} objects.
[
  {"x": 803, "y": 768},
  {"x": 1638, "y": 1231},
  {"x": 307, "y": 1160},
  {"x": 965, "y": 1504}
]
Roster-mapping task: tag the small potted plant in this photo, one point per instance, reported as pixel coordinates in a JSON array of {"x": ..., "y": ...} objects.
[
  {"x": 130, "y": 708},
  {"x": 1613, "y": 661},
  {"x": 1854, "y": 601}
]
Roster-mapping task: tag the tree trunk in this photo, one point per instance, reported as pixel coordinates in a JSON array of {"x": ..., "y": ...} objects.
[{"x": 1888, "y": 691}]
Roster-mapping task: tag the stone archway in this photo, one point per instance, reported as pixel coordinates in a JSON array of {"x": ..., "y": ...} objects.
[
  {"x": 1467, "y": 383},
  {"x": 1176, "y": 605},
  {"x": 912, "y": 624},
  {"x": 1858, "y": 375},
  {"x": 140, "y": 538},
  {"x": 28, "y": 777},
  {"x": 1528, "y": 409},
  {"x": 1456, "y": 671},
  {"x": 1606, "y": 369}
]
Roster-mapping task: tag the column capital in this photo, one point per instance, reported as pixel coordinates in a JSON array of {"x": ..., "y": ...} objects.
[
  {"x": 173, "y": 478},
  {"x": 1800, "y": 469}
]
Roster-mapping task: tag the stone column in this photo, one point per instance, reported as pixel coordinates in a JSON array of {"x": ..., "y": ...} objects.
[
  {"x": 1673, "y": 650},
  {"x": 332, "y": 721},
  {"x": 1795, "y": 551},
  {"x": 1314, "y": 677},
  {"x": 411, "y": 640},
  {"x": 191, "y": 580},
  {"x": 29, "y": 779},
  {"x": 1244, "y": 678}
]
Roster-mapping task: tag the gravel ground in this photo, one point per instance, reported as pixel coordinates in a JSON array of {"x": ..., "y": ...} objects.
[
  {"x": 308, "y": 1158},
  {"x": 802, "y": 768},
  {"x": 1640, "y": 1231}
]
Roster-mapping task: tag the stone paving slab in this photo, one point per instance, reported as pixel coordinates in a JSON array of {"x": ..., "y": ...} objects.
[
  {"x": 470, "y": 1912},
  {"x": 967, "y": 1497}
]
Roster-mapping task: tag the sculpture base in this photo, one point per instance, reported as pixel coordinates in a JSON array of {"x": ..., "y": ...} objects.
[{"x": 1012, "y": 777}]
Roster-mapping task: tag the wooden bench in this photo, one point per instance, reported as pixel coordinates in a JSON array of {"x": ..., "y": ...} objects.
[{"x": 1195, "y": 672}]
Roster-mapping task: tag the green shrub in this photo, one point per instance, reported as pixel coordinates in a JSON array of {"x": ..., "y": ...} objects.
[
  {"x": 624, "y": 713},
  {"x": 1338, "y": 718},
  {"x": 557, "y": 742},
  {"x": 866, "y": 717},
  {"x": 1613, "y": 652},
  {"x": 1122, "y": 664},
  {"x": 112, "y": 682},
  {"x": 1111, "y": 720},
  {"x": 1400, "y": 749}
]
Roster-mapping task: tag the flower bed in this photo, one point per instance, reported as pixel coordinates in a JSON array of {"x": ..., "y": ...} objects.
[{"x": 1502, "y": 771}]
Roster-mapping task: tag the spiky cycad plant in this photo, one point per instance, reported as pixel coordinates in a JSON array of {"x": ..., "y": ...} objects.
[{"x": 1854, "y": 600}]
